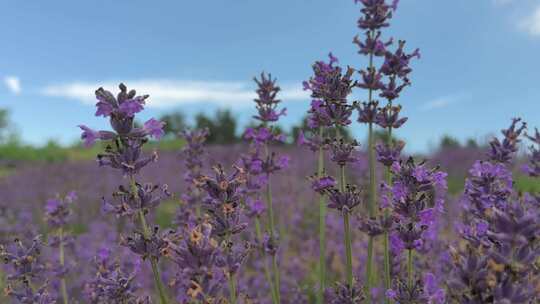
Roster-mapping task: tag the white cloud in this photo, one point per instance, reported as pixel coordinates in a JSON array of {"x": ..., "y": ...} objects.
[
  {"x": 13, "y": 83},
  {"x": 531, "y": 23},
  {"x": 442, "y": 102},
  {"x": 166, "y": 93}
]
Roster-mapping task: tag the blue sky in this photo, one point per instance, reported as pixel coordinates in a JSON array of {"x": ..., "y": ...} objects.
[{"x": 479, "y": 63}]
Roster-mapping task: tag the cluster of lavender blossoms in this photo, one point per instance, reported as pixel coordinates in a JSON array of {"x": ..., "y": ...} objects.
[
  {"x": 259, "y": 164},
  {"x": 193, "y": 197},
  {"x": 235, "y": 239},
  {"x": 499, "y": 228},
  {"x": 330, "y": 110},
  {"x": 124, "y": 152}
]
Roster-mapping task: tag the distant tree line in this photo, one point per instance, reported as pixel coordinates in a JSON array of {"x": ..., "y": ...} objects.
[{"x": 224, "y": 129}]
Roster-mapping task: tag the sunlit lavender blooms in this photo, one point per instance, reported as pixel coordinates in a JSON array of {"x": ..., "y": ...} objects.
[{"x": 265, "y": 221}]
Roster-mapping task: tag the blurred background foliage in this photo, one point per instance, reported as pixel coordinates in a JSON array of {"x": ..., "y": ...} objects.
[{"x": 452, "y": 155}]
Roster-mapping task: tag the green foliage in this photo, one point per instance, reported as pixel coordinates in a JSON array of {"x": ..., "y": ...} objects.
[
  {"x": 174, "y": 123},
  {"x": 448, "y": 141},
  {"x": 15, "y": 151},
  {"x": 471, "y": 143},
  {"x": 222, "y": 127},
  {"x": 381, "y": 135},
  {"x": 303, "y": 127},
  {"x": 525, "y": 183}
]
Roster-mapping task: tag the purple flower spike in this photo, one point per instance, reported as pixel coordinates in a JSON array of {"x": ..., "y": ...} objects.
[
  {"x": 503, "y": 151},
  {"x": 533, "y": 168}
]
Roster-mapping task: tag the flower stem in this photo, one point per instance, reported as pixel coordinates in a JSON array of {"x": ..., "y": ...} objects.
[
  {"x": 386, "y": 240},
  {"x": 277, "y": 277},
  {"x": 410, "y": 268},
  {"x": 348, "y": 248},
  {"x": 371, "y": 208},
  {"x": 373, "y": 189},
  {"x": 271, "y": 227},
  {"x": 322, "y": 228},
  {"x": 266, "y": 270},
  {"x": 63, "y": 286},
  {"x": 347, "y": 231},
  {"x": 231, "y": 277},
  {"x": 153, "y": 261},
  {"x": 232, "y": 288}
]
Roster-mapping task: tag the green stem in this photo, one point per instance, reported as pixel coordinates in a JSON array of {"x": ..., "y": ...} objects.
[
  {"x": 386, "y": 240},
  {"x": 373, "y": 191},
  {"x": 371, "y": 210},
  {"x": 277, "y": 277},
  {"x": 271, "y": 227},
  {"x": 410, "y": 268},
  {"x": 153, "y": 261},
  {"x": 348, "y": 248},
  {"x": 232, "y": 288},
  {"x": 322, "y": 229},
  {"x": 347, "y": 231},
  {"x": 232, "y": 278},
  {"x": 63, "y": 286},
  {"x": 387, "y": 278},
  {"x": 266, "y": 270}
]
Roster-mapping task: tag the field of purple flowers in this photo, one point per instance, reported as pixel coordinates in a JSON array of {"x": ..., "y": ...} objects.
[{"x": 323, "y": 221}]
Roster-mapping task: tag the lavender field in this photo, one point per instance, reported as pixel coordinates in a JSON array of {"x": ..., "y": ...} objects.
[{"x": 155, "y": 210}]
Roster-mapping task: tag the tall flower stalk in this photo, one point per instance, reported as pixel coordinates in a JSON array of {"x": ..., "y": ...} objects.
[
  {"x": 268, "y": 162},
  {"x": 124, "y": 153},
  {"x": 225, "y": 217},
  {"x": 376, "y": 16},
  {"x": 58, "y": 214},
  {"x": 330, "y": 87},
  {"x": 194, "y": 154},
  {"x": 318, "y": 120}
]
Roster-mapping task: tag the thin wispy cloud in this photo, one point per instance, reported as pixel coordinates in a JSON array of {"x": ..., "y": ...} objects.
[
  {"x": 531, "y": 23},
  {"x": 168, "y": 93},
  {"x": 442, "y": 102},
  {"x": 13, "y": 84}
]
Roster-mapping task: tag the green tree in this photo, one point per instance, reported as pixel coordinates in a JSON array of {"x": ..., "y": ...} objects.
[
  {"x": 448, "y": 141},
  {"x": 471, "y": 143},
  {"x": 226, "y": 124},
  {"x": 174, "y": 123},
  {"x": 303, "y": 127},
  {"x": 222, "y": 127}
]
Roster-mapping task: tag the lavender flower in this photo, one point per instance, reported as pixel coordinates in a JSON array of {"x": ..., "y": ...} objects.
[
  {"x": 267, "y": 102},
  {"x": 533, "y": 168},
  {"x": 503, "y": 151},
  {"x": 146, "y": 198},
  {"x": 196, "y": 256},
  {"x": 125, "y": 154},
  {"x": 343, "y": 152},
  {"x": 388, "y": 155},
  {"x": 344, "y": 201},
  {"x": 329, "y": 84},
  {"x": 343, "y": 294},
  {"x": 112, "y": 283},
  {"x": 223, "y": 202}
]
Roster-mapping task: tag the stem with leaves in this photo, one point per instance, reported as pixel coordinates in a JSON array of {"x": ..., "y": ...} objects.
[
  {"x": 153, "y": 261},
  {"x": 63, "y": 286}
]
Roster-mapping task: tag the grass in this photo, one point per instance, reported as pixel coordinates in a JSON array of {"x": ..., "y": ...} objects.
[{"x": 13, "y": 152}]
